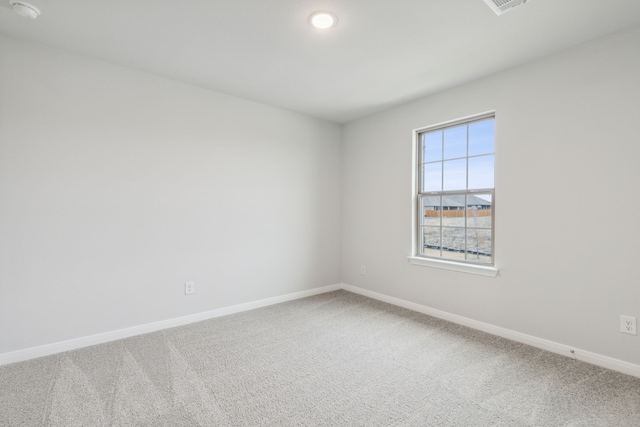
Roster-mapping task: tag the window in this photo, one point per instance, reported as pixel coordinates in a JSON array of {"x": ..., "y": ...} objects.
[{"x": 455, "y": 191}]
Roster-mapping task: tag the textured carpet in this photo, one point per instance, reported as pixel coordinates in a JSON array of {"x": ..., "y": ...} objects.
[{"x": 336, "y": 359}]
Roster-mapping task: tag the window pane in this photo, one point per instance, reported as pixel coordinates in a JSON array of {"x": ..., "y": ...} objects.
[
  {"x": 455, "y": 142},
  {"x": 479, "y": 210},
  {"x": 453, "y": 211},
  {"x": 480, "y": 172},
  {"x": 481, "y": 138},
  {"x": 432, "y": 177},
  {"x": 455, "y": 175},
  {"x": 479, "y": 245},
  {"x": 431, "y": 241},
  {"x": 432, "y": 146},
  {"x": 453, "y": 243},
  {"x": 431, "y": 210}
]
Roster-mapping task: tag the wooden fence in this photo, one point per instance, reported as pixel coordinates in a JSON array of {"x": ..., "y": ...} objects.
[{"x": 457, "y": 213}]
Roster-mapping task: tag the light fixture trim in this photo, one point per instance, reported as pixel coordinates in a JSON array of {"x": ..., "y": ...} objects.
[
  {"x": 323, "y": 20},
  {"x": 24, "y": 9}
]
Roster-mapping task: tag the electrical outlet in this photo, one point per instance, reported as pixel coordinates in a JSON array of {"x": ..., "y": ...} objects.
[
  {"x": 628, "y": 325},
  {"x": 363, "y": 269},
  {"x": 189, "y": 288}
]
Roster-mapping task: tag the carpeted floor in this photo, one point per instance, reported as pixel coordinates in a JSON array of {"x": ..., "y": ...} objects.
[{"x": 336, "y": 359}]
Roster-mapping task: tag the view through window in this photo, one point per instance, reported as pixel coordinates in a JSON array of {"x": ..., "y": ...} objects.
[{"x": 456, "y": 195}]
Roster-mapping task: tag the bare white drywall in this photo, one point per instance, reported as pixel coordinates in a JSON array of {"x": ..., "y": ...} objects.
[
  {"x": 116, "y": 187},
  {"x": 567, "y": 205}
]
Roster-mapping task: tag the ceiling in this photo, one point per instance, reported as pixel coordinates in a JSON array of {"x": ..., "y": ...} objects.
[{"x": 381, "y": 53}]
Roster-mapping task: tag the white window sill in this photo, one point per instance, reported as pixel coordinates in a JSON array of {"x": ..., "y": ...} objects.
[{"x": 455, "y": 266}]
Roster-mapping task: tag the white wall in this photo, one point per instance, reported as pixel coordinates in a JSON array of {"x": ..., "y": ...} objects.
[
  {"x": 567, "y": 137},
  {"x": 116, "y": 187}
]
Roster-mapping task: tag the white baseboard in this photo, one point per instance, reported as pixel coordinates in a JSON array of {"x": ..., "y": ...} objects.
[
  {"x": 583, "y": 355},
  {"x": 565, "y": 350},
  {"x": 59, "y": 347}
]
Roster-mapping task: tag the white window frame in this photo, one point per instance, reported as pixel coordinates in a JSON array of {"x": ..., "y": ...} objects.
[{"x": 416, "y": 257}]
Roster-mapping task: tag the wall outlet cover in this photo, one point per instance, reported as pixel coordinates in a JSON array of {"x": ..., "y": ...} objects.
[
  {"x": 628, "y": 325},
  {"x": 189, "y": 288}
]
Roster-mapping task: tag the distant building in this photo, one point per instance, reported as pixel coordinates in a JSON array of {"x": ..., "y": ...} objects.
[{"x": 455, "y": 203}]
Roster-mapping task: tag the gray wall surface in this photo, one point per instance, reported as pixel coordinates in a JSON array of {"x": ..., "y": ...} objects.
[
  {"x": 567, "y": 135},
  {"x": 116, "y": 187}
]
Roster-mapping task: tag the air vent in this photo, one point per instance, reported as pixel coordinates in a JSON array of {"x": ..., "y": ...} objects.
[{"x": 502, "y": 6}]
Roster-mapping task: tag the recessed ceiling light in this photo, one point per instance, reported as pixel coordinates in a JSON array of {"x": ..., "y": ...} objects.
[
  {"x": 323, "y": 20},
  {"x": 24, "y": 9}
]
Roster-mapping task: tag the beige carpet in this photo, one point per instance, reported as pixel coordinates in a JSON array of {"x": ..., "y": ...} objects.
[{"x": 336, "y": 359}]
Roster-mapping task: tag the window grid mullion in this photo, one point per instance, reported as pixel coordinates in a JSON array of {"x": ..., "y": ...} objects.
[
  {"x": 441, "y": 219},
  {"x": 442, "y": 176},
  {"x": 460, "y": 158},
  {"x": 466, "y": 200}
]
